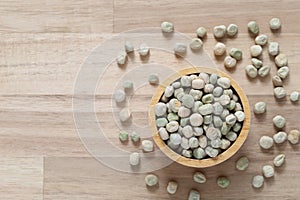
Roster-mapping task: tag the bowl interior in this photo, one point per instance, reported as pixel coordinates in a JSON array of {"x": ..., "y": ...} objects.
[{"x": 208, "y": 161}]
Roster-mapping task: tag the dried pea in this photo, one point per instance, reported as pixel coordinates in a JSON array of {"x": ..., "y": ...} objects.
[
  {"x": 219, "y": 31},
  {"x": 167, "y": 27},
  {"x": 264, "y": 71},
  {"x": 196, "y": 44},
  {"x": 277, "y": 82},
  {"x": 229, "y": 62},
  {"x": 134, "y": 159},
  {"x": 153, "y": 79},
  {"x": 281, "y": 60},
  {"x": 256, "y": 63},
  {"x": 283, "y": 72},
  {"x": 279, "y": 92},
  {"x": 255, "y": 50},
  {"x": 279, "y": 121},
  {"x": 261, "y": 39},
  {"x": 294, "y": 96},
  {"x": 273, "y": 48},
  {"x": 219, "y": 49},
  {"x": 279, "y": 160},
  {"x": 125, "y": 114},
  {"x": 266, "y": 142},
  {"x": 128, "y": 47},
  {"x": 201, "y": 32},
  {"x": 151, "y": 180},
  {"x": 147, "y": 145},
  {"x": 260, "y": 107},
  {"x": 172, "y": 187},
  {"x": 143, "y": 50},
  {"x": 268, "y": 171},
  {"x": 199, "y": 177},
  {"x": 253, "y": 27},
  {"x": 236, "y": 53},
  {"x": 232, "y": 30},
  {"x": 122, "y": 58},
  {"x": 194, "y": 195},
  {"x": 251, "y": 71},
  {"x": 257, "y": 181},
  {"x": 275, "y": 24},
  {"x": 123, "y": 136},
  {"x": 180, "y": 49},
  {"x": 223, "y": 182},
  {"x": 242, "y": 163},
  {"x": 294, "y": 136},
  {"x": 280, "y": 137}
]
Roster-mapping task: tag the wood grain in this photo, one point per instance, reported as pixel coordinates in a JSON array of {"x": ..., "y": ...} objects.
[{"x": 43, "y": 46}]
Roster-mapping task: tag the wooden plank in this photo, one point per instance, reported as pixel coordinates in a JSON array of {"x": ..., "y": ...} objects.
[
  {"x": 56, "y": 16},
  {"x": 21, "y": 178}
]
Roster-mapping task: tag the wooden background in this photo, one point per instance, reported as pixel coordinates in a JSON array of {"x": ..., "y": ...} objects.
[{"x": 43, "y": 45}]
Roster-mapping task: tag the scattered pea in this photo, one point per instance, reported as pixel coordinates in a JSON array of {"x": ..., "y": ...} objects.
[
  {"x": 256, "y": 63},
  {"x": 273, "y": 48},
  {"x": 266, "y": 142},
  {"x": 275, "y": 24},
  {"x": 223, "y": 182},
  {"x": 236, "y": 53},
  {"x": 199, "y": 177},
  {"x": 255, "y": 50},
  {"x": 194, "y": 195},
  {"x": 251, "y": 71},
  {"x": 201, "y": 32},
  {"x": 264, "y": 71},
  {"x": 242, "y": 163},
  {"x": 257, "y": 181},
  {"x": 128, "y": 47},
  {"x": 125, "y": 114},
  {"x": 172, "y": 187},
  {"x": 180, "y": 49},
  {"x": 147, "y": 145},
  {"x": 167, "y": 27},
  {"x": 135, "y": 137},
  {"x": 253, "y": 27},
  {"x": 219, "y": 31},
  {"x": 260, "y": 107},
  {"x": 121, "y": 58},
  {"x": 281, "y": 60},
  {"x": 294, "y": 136},
  {"x": 232, "y": 30},
  {"x": 123, "y": 136},
  {"x": 153, "y": 79},
  {"x": 283, "y": 72},
  {"x": 280, "y": 137},
  {"x": 219, "y": 49},
  {"x": 128, "y": 85},
  {"x": 119, "y": 96},
  {"x": 151, "y": 180},
  {"x": 279, "y": 160},
  {"x": 279, "y": 92},
  {"x": 134, "y": 159},
  {"x": 279, "y": 121},
  {"x": 144, "y": 50},
  {"x": 230, "y": 62},
  {"x": 294, "y": 96},
  {"x": 261, "y": 39},
  {"x": 277, "y": 82},
  {"x": 196, "y": 44},
  {"x": 268, "y": 171}
]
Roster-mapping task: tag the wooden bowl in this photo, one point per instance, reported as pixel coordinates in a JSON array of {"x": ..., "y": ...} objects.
[{"x": 209, "y": 161}]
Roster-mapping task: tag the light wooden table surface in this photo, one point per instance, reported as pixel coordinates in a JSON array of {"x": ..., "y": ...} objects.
[{"x": 43, "y": 46}]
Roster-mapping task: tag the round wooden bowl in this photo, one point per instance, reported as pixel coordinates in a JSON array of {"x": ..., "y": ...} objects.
[{"x": 209, "y": 161}]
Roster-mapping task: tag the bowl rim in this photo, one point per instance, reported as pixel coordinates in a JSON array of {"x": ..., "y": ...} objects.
[{"x": 209, "y": 161}]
